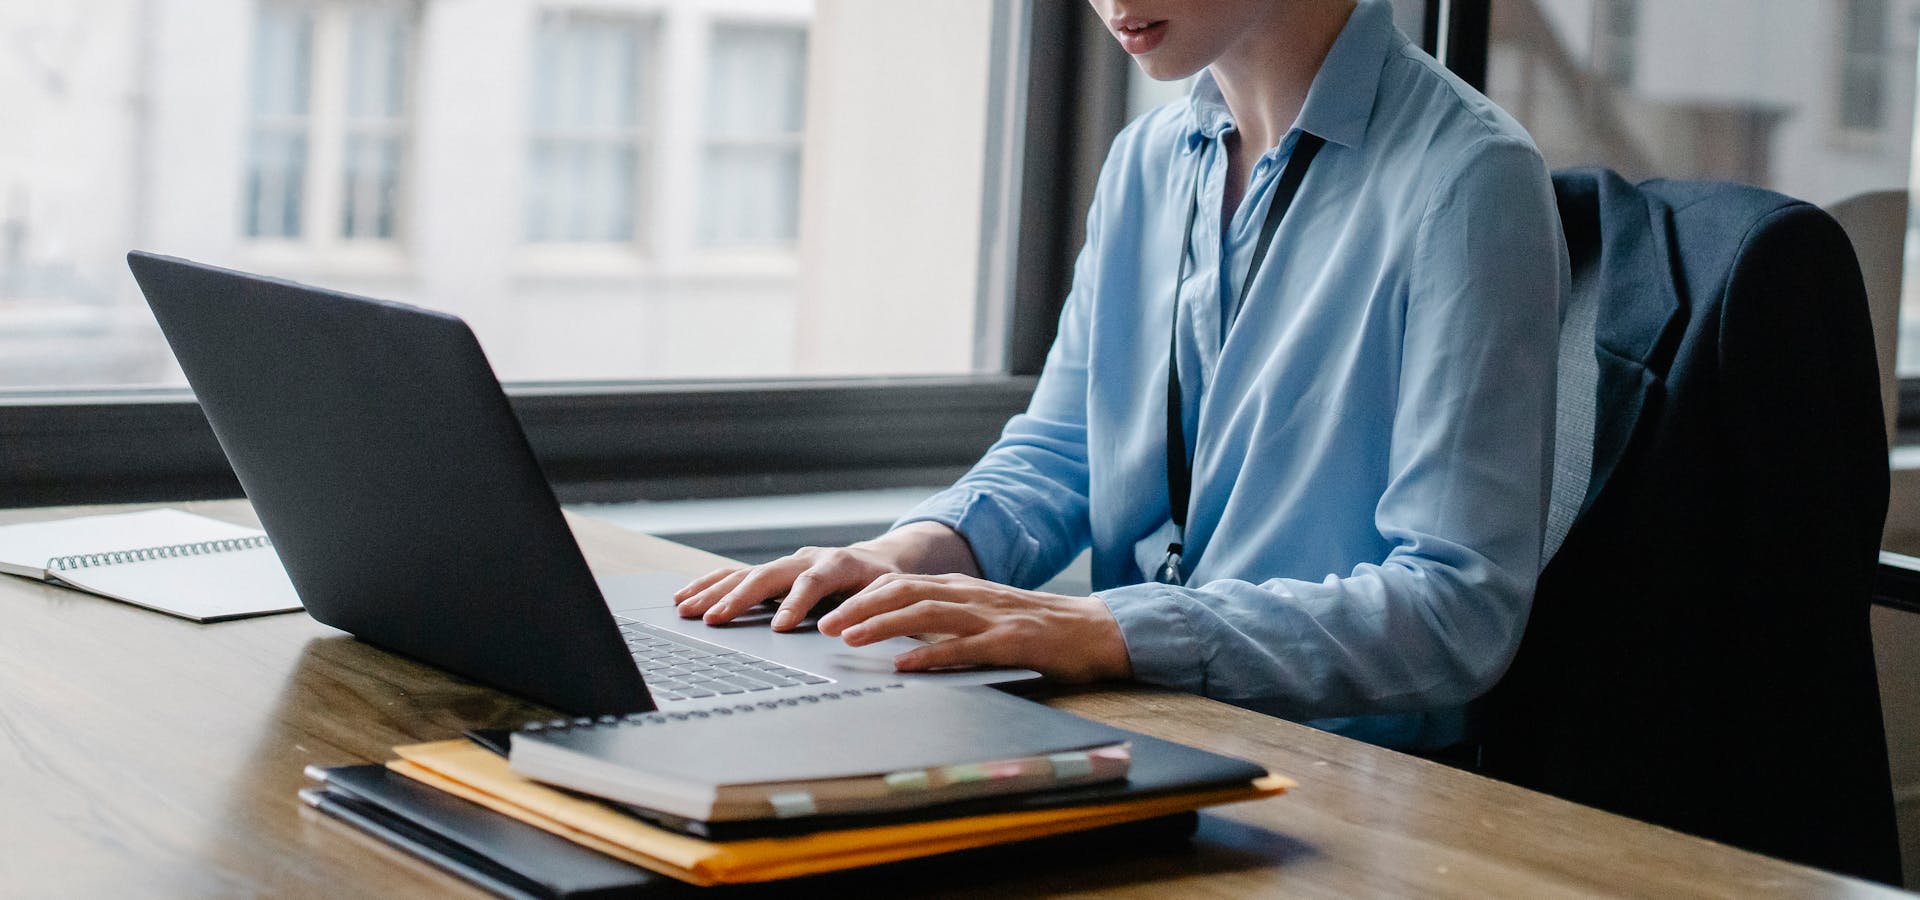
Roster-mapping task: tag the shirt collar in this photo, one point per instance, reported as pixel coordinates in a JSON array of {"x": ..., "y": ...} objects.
[{"x": 1340, "y": 102}]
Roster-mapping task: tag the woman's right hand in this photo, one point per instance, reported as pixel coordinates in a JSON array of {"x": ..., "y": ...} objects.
[{"x": 812, "y": 574}]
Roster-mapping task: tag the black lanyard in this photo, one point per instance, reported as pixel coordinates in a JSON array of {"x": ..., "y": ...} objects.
[{"x": 1179, "y": 470}]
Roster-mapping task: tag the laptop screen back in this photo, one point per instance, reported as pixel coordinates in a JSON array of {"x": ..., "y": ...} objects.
[{"x": 394, "y": 480}]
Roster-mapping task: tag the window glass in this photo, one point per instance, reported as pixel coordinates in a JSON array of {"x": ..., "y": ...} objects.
[
  {"x": 755, "y": 112},
  {"x": 1815, "y": 100},
  {"x": 375, "y": 123},
  {"x": 588, "y": 121},
  {"x": 277, "y": 163},
  {"x": 603, "y": 189}
]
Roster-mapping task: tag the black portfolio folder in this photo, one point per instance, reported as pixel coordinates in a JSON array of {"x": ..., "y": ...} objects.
[{"x": 496, "y": 852}]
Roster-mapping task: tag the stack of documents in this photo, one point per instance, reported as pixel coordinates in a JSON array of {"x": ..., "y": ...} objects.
[
  {"x": 706, "y": 848},
  {"x": 833, "y": 753}
]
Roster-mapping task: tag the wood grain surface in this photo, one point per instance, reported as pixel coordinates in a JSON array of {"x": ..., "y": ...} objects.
[{"x": 146, "y": 756}]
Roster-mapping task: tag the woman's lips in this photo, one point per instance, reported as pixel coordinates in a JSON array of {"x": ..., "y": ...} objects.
[{"x": 1139, "y": 36}]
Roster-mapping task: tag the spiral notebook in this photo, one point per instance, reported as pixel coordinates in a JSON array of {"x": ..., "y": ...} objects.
[{"x": 166, "y": 560}]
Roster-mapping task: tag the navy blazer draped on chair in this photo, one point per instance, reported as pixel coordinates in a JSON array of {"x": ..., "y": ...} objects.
[{"x": 1698, "y": 654}]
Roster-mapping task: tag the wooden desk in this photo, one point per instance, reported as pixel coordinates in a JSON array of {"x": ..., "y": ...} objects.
[{"x": 142, "y": 755}]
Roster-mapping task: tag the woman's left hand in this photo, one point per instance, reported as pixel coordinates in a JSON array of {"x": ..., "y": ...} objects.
[{"x": 1064, "y": 638}]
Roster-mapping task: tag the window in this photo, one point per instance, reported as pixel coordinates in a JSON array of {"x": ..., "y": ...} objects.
[
  {"x": 1863, "y": 59},
  {"x": 591, "y": 80},
  {"x": 606, "y": 190},
  {"x": 277, "y": 165},
  {"x": 375, "y": 122},
  {"x": 756, "y": 99},
  {"x": 393, "y": 148},
  {"x": 328, "y": 122},
  {"x": 1622, "y": 18},
  {"x": 1779, "y": 96}
]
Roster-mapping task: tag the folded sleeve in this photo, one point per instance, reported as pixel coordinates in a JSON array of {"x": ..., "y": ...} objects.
[{"x": 1436, "y": 621}]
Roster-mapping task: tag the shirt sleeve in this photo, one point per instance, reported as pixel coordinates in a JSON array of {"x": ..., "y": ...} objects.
[
  {"x": 1023, "y": 507},
  {"x": 1436, "y": 622}
]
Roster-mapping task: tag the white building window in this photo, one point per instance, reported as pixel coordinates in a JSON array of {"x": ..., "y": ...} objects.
[
  {"x": 329, "y": 125},
  {"x": 376, "y": 124},
  {"x": 282, "y": 103},
  {"x": 592, "y": 77},
  {"x": 1619, "y": 30},
  {"x": 755, "y": 111},
  {"x": 1863, "y": 72}
]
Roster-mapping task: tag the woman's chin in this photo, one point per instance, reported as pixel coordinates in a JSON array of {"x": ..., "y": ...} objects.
[{"x": 1166, "y": 66}]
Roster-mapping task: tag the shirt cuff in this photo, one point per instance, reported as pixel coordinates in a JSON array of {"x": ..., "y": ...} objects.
[
  {"x": 1161, "y": 643},
  {"x": 1001, "y": 545}
]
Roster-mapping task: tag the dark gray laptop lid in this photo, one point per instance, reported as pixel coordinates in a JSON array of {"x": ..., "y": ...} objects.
[{"x": 394, "y": 480}]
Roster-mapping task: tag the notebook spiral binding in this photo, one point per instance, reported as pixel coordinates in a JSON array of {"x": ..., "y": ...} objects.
[
  {"x": 656, "y": 717},
  {"x": 144, "y": 554}
]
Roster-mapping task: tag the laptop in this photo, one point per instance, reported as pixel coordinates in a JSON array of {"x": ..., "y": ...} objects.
[{"x": 399, "y": 491}]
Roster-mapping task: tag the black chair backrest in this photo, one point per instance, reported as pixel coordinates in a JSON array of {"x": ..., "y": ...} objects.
[{"x": 1698, "y": 654}]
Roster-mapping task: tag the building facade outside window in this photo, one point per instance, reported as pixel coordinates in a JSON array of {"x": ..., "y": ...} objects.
[
  {"x": 1814, "y": 100},
  {"x": 606, "y": 190}
]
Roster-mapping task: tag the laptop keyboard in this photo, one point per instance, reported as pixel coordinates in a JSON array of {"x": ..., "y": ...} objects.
[{"x": 677, "y": 667}]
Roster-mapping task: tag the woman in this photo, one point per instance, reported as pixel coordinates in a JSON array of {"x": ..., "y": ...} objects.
[{"x": 1364, "y": 399}]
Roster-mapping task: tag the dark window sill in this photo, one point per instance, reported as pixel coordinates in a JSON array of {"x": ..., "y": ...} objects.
[{"x": 597, "y": 442}]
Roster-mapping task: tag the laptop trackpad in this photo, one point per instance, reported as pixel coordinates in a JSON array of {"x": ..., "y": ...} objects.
[
  {"x": 640, "y": 590},
  {"x": 654, "y": 590}
]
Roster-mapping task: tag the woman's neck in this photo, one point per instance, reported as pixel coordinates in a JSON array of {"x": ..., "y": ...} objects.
[{"x": 1265, "y": 75}]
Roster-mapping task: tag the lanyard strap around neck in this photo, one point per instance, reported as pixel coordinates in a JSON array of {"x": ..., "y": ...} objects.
[{"x": 1179, "y": 469}]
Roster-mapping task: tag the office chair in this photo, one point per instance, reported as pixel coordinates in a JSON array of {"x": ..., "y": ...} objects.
[{"x": 1698, "y": 655}]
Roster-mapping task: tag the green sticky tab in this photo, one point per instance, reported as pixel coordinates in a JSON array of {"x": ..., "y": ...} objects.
[{"x": 963, "y": 774}]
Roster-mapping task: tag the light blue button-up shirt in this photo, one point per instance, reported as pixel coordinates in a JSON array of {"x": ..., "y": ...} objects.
[{"x": 1371, "y": 433}]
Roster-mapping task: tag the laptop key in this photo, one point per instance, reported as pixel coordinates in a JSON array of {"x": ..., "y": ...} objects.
[{"x": 806, "y": 678}]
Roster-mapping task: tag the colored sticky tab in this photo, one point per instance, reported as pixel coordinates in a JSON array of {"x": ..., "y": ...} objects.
[
  {"x": 963, "y": 774},
  {"x": 902, "y": 782},
  {"x": 792, "y": 803},
  {"x": 1071, "y": 765}
]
